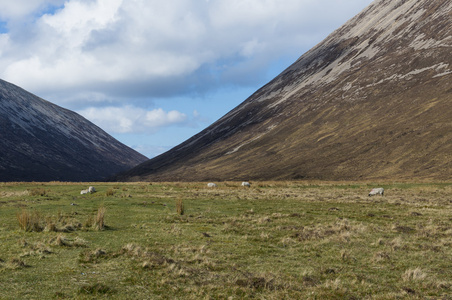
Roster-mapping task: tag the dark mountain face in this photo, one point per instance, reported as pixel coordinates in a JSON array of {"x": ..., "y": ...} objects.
[
  {"x": 40, "y": 141},
  {"x": 372, "y": 101}
]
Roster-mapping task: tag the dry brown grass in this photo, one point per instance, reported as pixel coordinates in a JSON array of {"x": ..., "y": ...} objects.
[
  {"x": 36, "y": 222},
  {"x": 63, "y": 241},
  {"x": 30, "y": 221},
  {"x": 15, "y": 263},
  {"x": 92, "y": 256},
  {"x": 89, "y": 222},
  {"x": 50, "y": 225},
  {"x": 416, "y": 274},
  {"x": 60, "y": 240},
  {"x": 38, "y": 192},
  {"x": 99, "y": 222},
  {"x": 149, "y": 258},
  {"x": 180, "y": 207},
  {"x": 35, "y": 249}
]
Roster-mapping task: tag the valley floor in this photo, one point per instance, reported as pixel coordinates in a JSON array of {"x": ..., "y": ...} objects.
[{"x": 274, "y": 240}]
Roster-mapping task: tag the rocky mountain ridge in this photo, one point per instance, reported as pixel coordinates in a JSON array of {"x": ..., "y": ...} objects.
[
  {"x": 40, "y": 141},
  {"x": 371, "y": 101}
]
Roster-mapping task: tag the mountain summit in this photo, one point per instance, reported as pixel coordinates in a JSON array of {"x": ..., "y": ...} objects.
[
  {"x": 372, "y": 101},
  {"x": 40, "y": 141}
]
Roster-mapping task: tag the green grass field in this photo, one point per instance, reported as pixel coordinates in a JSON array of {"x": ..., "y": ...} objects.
[{"x": 275, "y": 240}]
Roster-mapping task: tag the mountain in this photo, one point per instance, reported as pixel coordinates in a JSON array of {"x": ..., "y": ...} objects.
[
  {"x": 40, "y": 141},
  {"x": 371, "y": 101}
]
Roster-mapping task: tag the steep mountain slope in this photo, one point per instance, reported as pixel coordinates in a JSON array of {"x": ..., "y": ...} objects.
[
  {"x": 373, "y": 100},
  {"x": 40, "y": 141}
]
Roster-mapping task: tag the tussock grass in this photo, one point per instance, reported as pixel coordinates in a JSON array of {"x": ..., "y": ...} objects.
[
  {"x": 180, "y": 207},
  {"x": 32, "y": 249},
  {"x": 38, "y": 192},
  {"x": 63, "y": 241},
  {"x": 99, "y": 222},
  {"x": 89, "y": 222},
  {"x": 30, "y": 221},
  {"x": 414, "y": 275},
  {"x": 90, "y": 256},
  {"x": 35, "y": 221}
]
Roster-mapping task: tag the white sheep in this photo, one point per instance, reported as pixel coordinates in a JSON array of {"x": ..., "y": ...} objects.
[
  {"x": 376, "y": 191},
  {"x": 90, "y": 190}
]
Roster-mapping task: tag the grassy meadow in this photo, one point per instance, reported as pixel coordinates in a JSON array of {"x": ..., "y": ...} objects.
[{"x": 275, "y": 240}]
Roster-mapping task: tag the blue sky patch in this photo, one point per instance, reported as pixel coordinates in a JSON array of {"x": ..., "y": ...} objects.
[
  {"x": 50, "y": 10},
  {"x": 3, "y": 27}
]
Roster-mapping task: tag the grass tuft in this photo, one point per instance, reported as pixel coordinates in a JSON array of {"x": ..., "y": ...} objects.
[
  {"x": 92, "y": 256},
  {"x": 99, "y": 222},
  {"x": 30, "y": 221},
  {"x": 96, "y": 289},
  {"x": 63, "y": 241},
  {"x": 16, "y": 263},
  {"x": 180, "y": 207},
  {"x": 60, "y": 240},
  {"x": 414, "y": 275},
  {"x": 50, "y": 225},
  {"x": 38, "y": 192}
]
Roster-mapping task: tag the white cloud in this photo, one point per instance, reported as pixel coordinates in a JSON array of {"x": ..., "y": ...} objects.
[
  {"x": 131, "y": 119},
  {"x": 159, "y": 118},
  {"x": 22, "y": 8},
  {"x": 153, "y": 47}
]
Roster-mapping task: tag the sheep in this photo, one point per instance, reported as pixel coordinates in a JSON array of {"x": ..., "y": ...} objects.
[
  {"x": 90, "y": 190},
  {"x": 376, "y": 191}
]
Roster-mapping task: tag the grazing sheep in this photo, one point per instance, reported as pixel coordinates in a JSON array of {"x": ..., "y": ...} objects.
[
  {"x": 211, "y": 185},
  {"x": 246, "y": 184},
  {"x": 376, "y": 191},
  {"x": 90, "y": 190}
]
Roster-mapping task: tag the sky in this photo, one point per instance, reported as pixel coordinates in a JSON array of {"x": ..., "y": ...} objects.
[{"x": 153, "y": 73}]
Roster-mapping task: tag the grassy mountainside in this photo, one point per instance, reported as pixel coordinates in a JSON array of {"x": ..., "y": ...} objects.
[{"x": 372, "y": 101}]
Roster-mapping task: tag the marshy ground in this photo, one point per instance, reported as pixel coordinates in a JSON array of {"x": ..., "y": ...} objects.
[{"x": 275, "y": 240}]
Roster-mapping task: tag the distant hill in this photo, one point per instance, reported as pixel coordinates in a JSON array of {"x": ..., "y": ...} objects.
[
  {"x": 372, "y": 101},
  {"x": 40, "y": 141}
]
